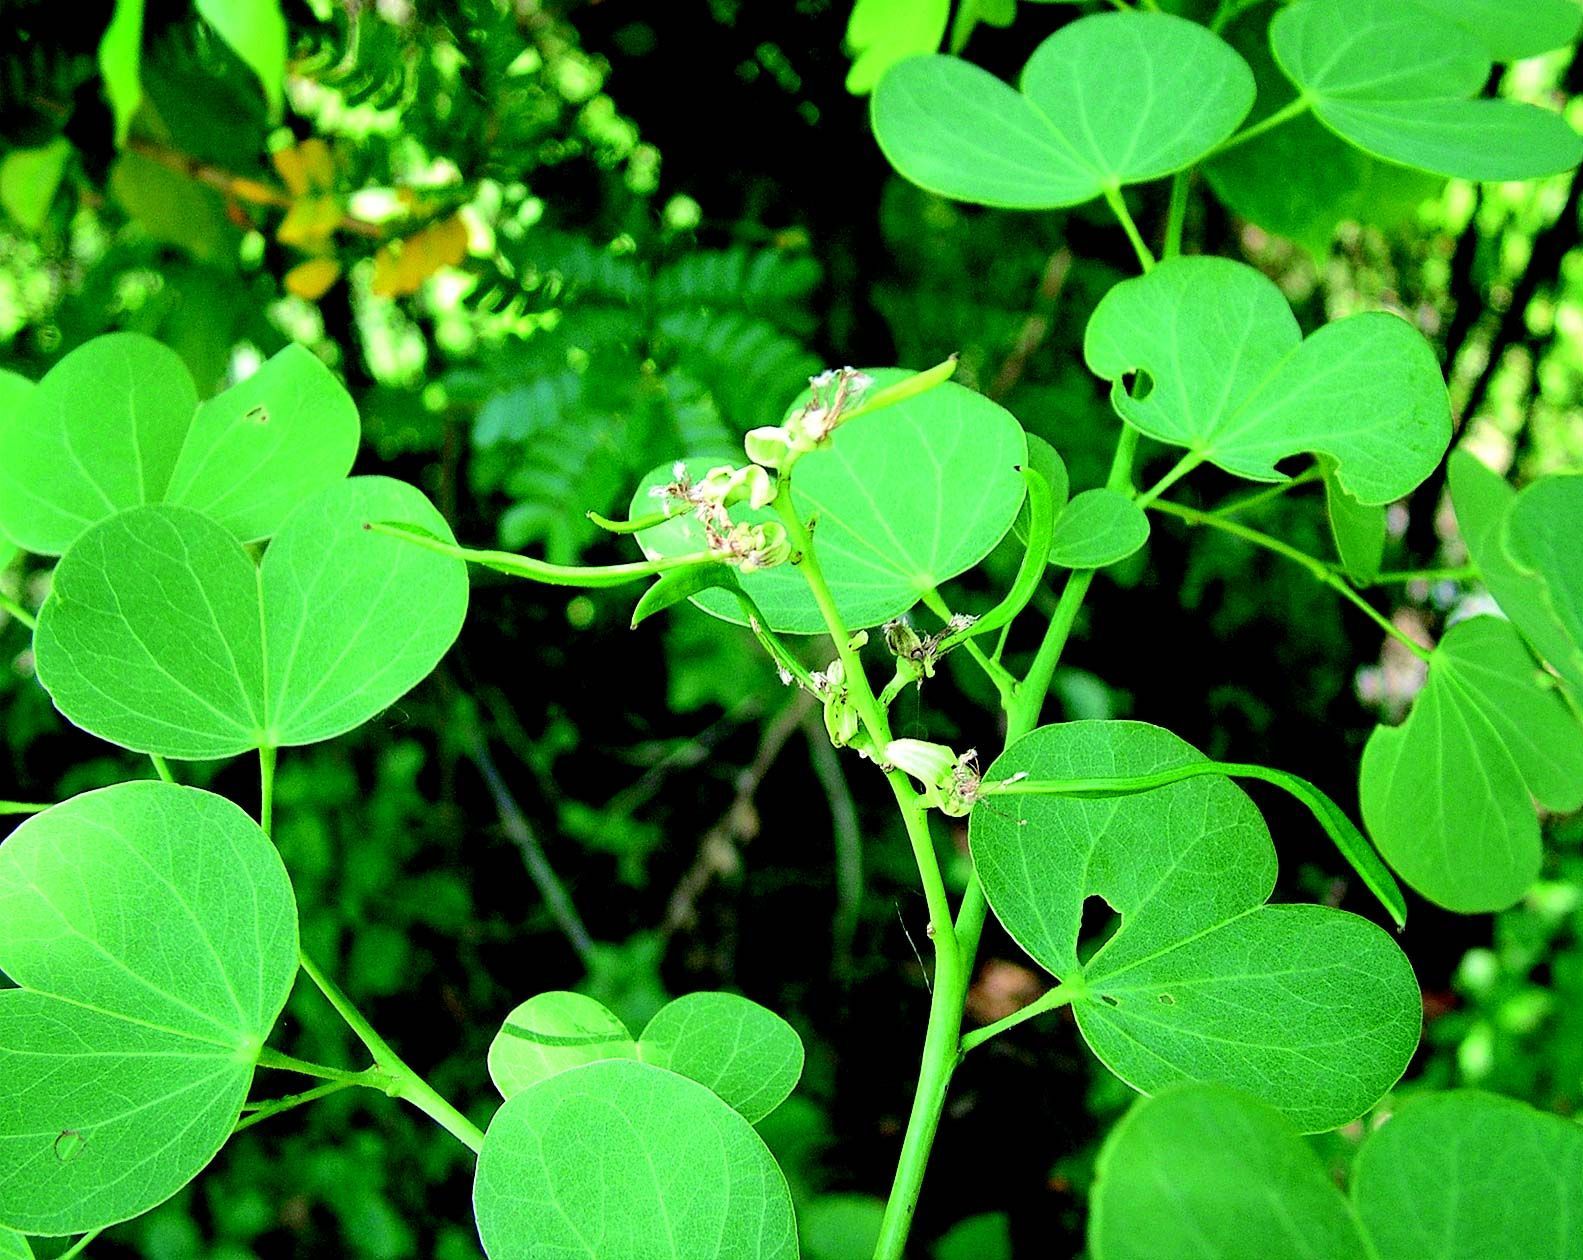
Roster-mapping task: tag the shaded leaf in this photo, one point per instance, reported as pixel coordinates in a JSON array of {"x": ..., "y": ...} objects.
[
  {"x": 1097, "y": 528},
  {"x": 28, "y": 180},
  {"x": 1543, "y": 533},
  {"x": 1358, "y": 529}
]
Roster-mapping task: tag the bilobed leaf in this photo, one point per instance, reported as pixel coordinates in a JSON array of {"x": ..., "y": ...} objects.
[
  {"x": 161, "y": 635},
  {"x": 882, "y": 32},
  {"x": 1224, "y": 1169},
  {"x": 1108, "y": 100},
  {"x": 256, "y": 32},
  {"x": 153, "y": 932},
  {"x": 1484, "y": 507},
  {"x": 1513, "y": 29},
  {"x": 1233, "y": 378},
  {"x": 1097, "y": 528},
  {"x": 1470, "y": 1176},
  {"x": 905, "y": 498},
  {"x": 644, "y": 1161},
  {"x": 1358, "y": 529},
  {"x": 748, "y": 1056},
  {"x": 1544, "y": 538},
  {"x": 1397, "y": 81},
  {"x": 553, "y": 1032},
  {"x": 1202, "y": 980},
  {"x": 1446, "y": 795},
  {"x": 116, "y": 424}
]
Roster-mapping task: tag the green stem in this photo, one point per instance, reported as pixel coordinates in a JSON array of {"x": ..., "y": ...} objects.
[
  {"x": 1246, "y": 502},
  {"x": 266, "y": 789},
  {"x": 1180, "y": 469},
  {"x": 19, "y": 613},
  {"x": 1118, "y": 207},
  {"x": 997, "y": 673},
  {"x": 1292, "y": 109},
  {"x": 1316, "y": 568},
  {"x": 1176, "y": 212},
  {"x": 404, "y": 1083},
  {"x": 275, "y": 1106},
  {"x": 81, "y": 1245},
  {"x": 1061, "y": 995},
  {"x": 162, "y": 768},
  {"x": 1456, "y": 573},
  {"x": 269, "y": 1057},
  {"x": 21, "y": 807}
]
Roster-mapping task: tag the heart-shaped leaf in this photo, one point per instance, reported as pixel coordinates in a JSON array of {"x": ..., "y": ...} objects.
[
  {"x": 1202, "y": 980},
  {"x": 1470, "y": 1176},
  {"x": 904, "y": 497},
  {"x": 634, "y": 1159},
  {"x": 116, "y": 424},
  {"x": 1108, "y": 100},
  {"x": 1543, "y": 603},
  {"x": 153, "y": 932},
  {"x": 1446, "y": 795},
  {"x": 161, "y": 634},
  {"x": 1097, "y": 528},
  {"x": 1513, "y": 29},
  {"x": 1243, "y": 1184},
  {"x": 1397, "y": 81},
  {"x": 1234, "y": 380},
  {"x": 748, "y": 1056}
]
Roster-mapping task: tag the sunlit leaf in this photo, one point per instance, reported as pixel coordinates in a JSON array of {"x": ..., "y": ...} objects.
[
  {"x": 1108, "y": 100},
  {"x": 905, "y": 498},
  {"x": 1446, "y": 795},
  {"x": 551, "y": 1033},
  {"x": 153, "y": 932},
  {"x": 1201, "y": 980},
  {"x": 116, "y": 424},
  {"x": 1513, "y": 29},
  {"x": 1397, "y": 82},
  {"x": 1470, "y": 1176},
  {"x": 645, "y": 1161},
  {"x": 749, "y": 1056},
  {"x": 1242, "y": 1184},
  {"x": 1232, "y": 378},
  {"x": 882, "y": 32},
  {"x": 121, "y": 63},
  {"x": 13, "y": 1246},
  {"x": 160, "y": 633},
  {"x": 1097, "y": 528},
  {"x": 256, "y": 32}
]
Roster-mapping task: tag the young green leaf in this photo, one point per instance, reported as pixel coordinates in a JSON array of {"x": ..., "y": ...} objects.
[
  {"x": 116, "y": 424},
  {"x": 1469, "y": 1176},
  {"x": 1098, "y": 527},
  {"x": 153, "y": 932},
  {"x": 645, "y": 1161},
  {"x": 1513, "y": 29},
  {"x": 1234, "y": 380},
  {"x": 749, "y": 1056},
  {"x": 1108, "y": 100},
  {"x": 904, "y": 498},
  {"x": 1202, "y": 980},
  {"x": 1446, "y": 795},
  {"x": 161, "y": 635},
  {"x": 1358, "y": 529},
  {"x": 1532, "y": 595},
  {"x": 1397, "y": 81},
  {"x": 553, "y": 1032},
  {"x": 1241, "y": 1184},
  {"x": 882, "y": 32}
]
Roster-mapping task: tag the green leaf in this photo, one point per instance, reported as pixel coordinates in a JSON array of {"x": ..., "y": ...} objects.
[
  {"x": 1217, "y": 1166},
  {"x": 13, "y": 1246},
  {"x": 1234, "y": 380},
  {"x": 153, "y": 932},
  {"x": 882, "y": 32},
  {"x": 1108, "y": 100},
  {"x": 986, "y": 1237},
  {"x": 121, "y": 62},
  {"x": 1396, "y": 81},
  {"x": 551, "y": 1033},
  {"x": 841, "y": 1227},
  {"x": 28, "y": 180},
  {"x": 748, "y": 1056},
  {"x": 1299, "y": 179},
  {"x": 1513, "y": 29},
  {"x": 256, "y": 32},
  {"x": 116, "y": 424},
  {"x": 1542, "y": 538},
  {"x": 645, "y": 1161},
  {"x": 1202, "y": 980},
  {"x": 1484, "y": 506},
  {"x": 679, "y": 584},
  {"x": 1470, "y": 1176},
  {"x": 1358, "y": 529},
  {"x": 905, "y": 498},
  {"x": 1446, "y": 794},
  {"x": 161, "y": 635},
  {"x": 1098, "y": 527}
]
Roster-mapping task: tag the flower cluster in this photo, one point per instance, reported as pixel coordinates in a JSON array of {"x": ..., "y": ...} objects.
[
  {"x": 750, "y": 547},
  {"x": 835, "y": 393},
  {"x": 950, "y": 782},
  {"x": 918, "y": 654}
]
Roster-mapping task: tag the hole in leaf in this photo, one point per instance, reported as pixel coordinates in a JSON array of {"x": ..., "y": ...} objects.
[
  {"x": 69, "y": 1145},
  {"x": 1098, "y": 926},
  {"x": 1167, "y": 1000},
  {"x": 1142, "y": 386},
  {"x": 1108, "y": 1000}
]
